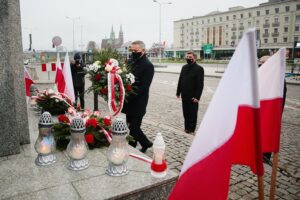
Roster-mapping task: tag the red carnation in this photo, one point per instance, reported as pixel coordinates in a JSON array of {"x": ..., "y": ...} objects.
[
  {"x": 128, "y": 88},
  {"x": 89, "y": 138},
  {"x": 97, "y": 77},
  {"x": 91, "y": 122},
  {"x": 78, "y": 107},
  {"x": 107, "y": 120},
  {"x": 63, "y": 119},
  {"x": 104, "y": 91}
]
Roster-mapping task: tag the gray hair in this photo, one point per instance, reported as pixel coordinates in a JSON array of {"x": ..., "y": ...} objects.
[
  {"x": 191, "y": 52},
  {"x": 140, "y": 43}
]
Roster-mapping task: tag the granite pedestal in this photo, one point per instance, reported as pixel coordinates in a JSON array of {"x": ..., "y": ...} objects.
[
  {"x": 13, "y": 113},
  {"x": 20, "y": 178}
]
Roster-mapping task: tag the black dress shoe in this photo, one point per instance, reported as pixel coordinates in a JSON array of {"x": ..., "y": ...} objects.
[
  {"x": 144, "y": 149},
  {"x": 133, "y": 143}
]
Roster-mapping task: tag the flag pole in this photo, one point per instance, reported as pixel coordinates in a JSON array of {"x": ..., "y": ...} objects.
[
  {"x": 274, "y": 174},
  {"x": 261, "y": 195}
]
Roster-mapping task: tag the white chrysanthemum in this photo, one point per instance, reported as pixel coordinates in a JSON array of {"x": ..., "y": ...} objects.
[
  {"x": 108, "y": 68},
  {"x": 97, "y": 62},
  {"x": 119, "y": 71},
  {"x": 50, "y": 91},
  {"x": 130, "y": 77},
  {"x": 114, "y": 62}
]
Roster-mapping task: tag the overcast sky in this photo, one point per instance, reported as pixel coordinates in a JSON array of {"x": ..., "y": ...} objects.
[{"x": 139, "y": 19}]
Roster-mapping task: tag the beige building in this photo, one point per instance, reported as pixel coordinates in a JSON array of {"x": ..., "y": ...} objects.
[{"x": 277, "y": 24}]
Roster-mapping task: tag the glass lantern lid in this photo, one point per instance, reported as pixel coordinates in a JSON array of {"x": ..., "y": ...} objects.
[
  {"x": 45, "y": 120},
  {"x": 77, "y": 125},
  {"x": 119, "y": 127}
]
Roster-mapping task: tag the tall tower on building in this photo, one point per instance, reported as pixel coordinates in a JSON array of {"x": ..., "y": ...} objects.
[
  {"x": 121, "y": 35},
  {"x": 112, "y": 33}
]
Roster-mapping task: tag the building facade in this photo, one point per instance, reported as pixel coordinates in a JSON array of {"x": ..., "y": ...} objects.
[
  {"x": 112, "y": 41},
  {"x": 277, "y": 24}
]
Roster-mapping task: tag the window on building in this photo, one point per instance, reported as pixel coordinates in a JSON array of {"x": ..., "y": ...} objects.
[
  {"x": 202, "y": 21},
  {"x": 276, "y": 20},
  {"x": 208, "y": 20},
  {"x": 296, "y": 39},
  {"x": 297, "y": 17},
  {"x": 226, "y": 34},
  {"x": 249, "y": 14},
  {"x": 221, "y": 19},
  {"x": 266, "y": 21},
  {"x": 241, "y": 33},
  {"x": 275, "y": 30},
  {"x": 285, "y": 39},
  {"x": 298, "y": 7},
  {"x": 266, "y": 31},
  {"x": 257, "y": 22},
  {"x": 276, "y": 10},
  {"x": 286, "y": 19},
  {"x": 297, "y": 28},
  {"x": 233, "y": 25},
  {"x": 226, "y": 25},
  {"x": 286, "y": 29},
  {"x": 266, "y": 40},
  {"x": 214, "y": 19},
  {"x": 267, "y": 12},
  {"x": 227, "y": 17},
  {"x": 192, "y": 23},
  {"x": 249, "y": 23},
  {"x": 242, "y": 16},
  {"x": 241, "y": 24},
  {"x": 275, "y": 40},
  {"x": 187, "y": 23},
  {"x": 233, "y": 33},
  {"x": 287, "y": 9},
  {"x": 226, "y": 42},
  {"x": 234, "y": 16},
  {"x": 257, "y": 13}
]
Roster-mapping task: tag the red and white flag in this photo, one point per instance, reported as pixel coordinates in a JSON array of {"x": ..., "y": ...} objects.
[
  {"x": 229, "y": 131},
  {"x": 271, "y": 83},
  {"x": 28, "y": 82},
  {"x": 59, "y": 78},
  {"x": 69, "y": 88}
]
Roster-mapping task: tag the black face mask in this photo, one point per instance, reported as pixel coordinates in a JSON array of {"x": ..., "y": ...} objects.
[
  {"x": 136, "y": 55},
  {"x": 189, "y": 61}
]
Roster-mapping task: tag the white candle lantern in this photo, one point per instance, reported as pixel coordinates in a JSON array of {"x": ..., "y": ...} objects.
[
  {"x": 159, "y": 165},
  {"x": 117, "y": 153},
  {"x": 45, "y": 144},
  {"x": 77, "y": 148}
]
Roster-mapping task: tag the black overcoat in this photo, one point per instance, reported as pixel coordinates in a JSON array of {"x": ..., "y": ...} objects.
[{"x": 135, "y": 104}]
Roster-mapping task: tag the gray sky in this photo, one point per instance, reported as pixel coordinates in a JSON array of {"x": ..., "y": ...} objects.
[{"x": 139, "y": 19}]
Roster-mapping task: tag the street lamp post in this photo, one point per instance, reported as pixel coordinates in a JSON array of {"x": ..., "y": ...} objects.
[
  {"x": 159, "y": 45},
  {"x": 73, "y": 19}
]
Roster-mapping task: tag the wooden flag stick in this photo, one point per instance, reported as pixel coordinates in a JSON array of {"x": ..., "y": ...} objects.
[
  {"x": 261, "y": 195},
  {"x": 274, "y": 174}
]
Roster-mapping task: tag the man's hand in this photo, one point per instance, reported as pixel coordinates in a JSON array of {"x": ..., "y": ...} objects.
[
  {"x": 178, "y": 97},
  {"x": 195, "y": 100}
]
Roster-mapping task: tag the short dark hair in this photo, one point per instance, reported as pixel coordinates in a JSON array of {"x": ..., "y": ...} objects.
[{"x": 191, "y": 52}]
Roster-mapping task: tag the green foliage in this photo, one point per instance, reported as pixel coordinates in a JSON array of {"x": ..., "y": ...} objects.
[
  {"x": 105, "y": 54},
  {"x": 52, "y": 105}
]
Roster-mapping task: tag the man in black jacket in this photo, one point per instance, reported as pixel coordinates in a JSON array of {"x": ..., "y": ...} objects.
[
  {"x": 190, "y": 87},
  {"x": 136, "y": 103},
  {"x": 78, "y": 73}
]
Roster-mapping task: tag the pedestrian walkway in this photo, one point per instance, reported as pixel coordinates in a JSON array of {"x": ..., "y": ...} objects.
[{"x": 212, "y": 70}]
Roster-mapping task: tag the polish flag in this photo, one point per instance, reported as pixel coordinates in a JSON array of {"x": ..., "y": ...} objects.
[
  {"x": 229, "y": 132},
  {"x": 59, "y": 78},
  {"x": 69, "y": 89},
  {"x": 271, "y": 83},
  {"x": 28, "y": 82}
]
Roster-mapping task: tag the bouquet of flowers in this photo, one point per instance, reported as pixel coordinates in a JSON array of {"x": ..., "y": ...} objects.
[
  {"x": 111, "y": 80},
  {"x": 97, "y": 134},
  {"x": 55, "y": 103}
]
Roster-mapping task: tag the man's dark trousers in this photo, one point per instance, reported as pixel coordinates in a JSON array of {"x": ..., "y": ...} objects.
[
  {"x": 136, "y": 131},
  {"x": 190, "y": 111},
  {"x": 79, "y": 92}
]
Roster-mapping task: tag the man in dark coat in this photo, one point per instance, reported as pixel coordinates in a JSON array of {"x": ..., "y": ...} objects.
[
  {"x": 78, "y": 73},
  {"x": 190, "y": 87},
  {"x": 136, "y": 103}
]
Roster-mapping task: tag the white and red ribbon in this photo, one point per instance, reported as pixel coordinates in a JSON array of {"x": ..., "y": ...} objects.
[{"x": 113, "y": 108}]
